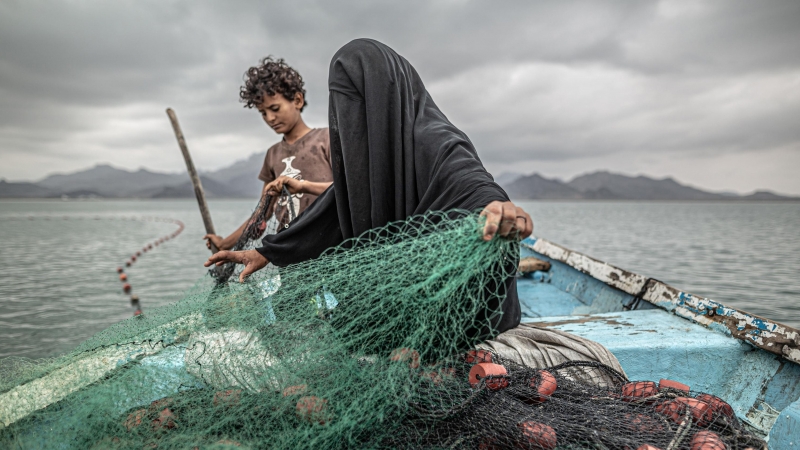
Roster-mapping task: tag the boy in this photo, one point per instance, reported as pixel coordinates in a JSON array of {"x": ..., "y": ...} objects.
[{"x": 301, "y": 160}]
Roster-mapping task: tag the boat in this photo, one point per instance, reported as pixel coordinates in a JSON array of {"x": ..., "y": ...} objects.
[
  {"x": 655, "y": 331},
  {"x": 659, "y": 332}
]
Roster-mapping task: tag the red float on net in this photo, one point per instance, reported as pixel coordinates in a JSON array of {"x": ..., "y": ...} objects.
[
  {"x": 537, "y": 435},
  {"x": 406, "y": 355},
  {"x": 312, "y": 409},
  {"x": 672, "y": 384},
  {"x": 638, "y": 390},
  {"x": 544, "y": 384},
  {"x": 165, "y": 420},
  {"x": 676, "y": 409},
  {"x": 718, "y": 406},
  {"x": 478, "y": 356},
  {"x": 229, "y": 397},
  {"x": 295, "y": 390},
  {"x": 707, "y": 440},
  {"x": 493, "y": 375}
]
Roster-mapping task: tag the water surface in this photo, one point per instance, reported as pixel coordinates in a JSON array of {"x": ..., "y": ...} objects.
[
  {"x": 58, "y": 283},
  {"x": 746, "y": 255}
]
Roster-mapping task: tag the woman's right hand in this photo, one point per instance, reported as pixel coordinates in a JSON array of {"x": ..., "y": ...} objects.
[
  {"x": 507, "y": 220},
  {"x": 252, "y": 260}
]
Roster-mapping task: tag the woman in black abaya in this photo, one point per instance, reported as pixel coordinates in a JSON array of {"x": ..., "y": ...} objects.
[{"x": 394, "y": 155}]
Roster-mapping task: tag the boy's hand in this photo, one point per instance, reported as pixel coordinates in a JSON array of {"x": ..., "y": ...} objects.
[
  {"x": 275, "y": 187},
  {"x": 252, "y": 260},
  {"x": 507, "y": 220},
  {"x": 218, "y": 241}
]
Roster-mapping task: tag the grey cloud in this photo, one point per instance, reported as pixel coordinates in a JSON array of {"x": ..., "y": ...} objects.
[
  {"x": 567, "y": 112},
  {"x": 670, "y": 36},
  {"x": 534, "y": 84},
  {"x": 98, "y": 53}
]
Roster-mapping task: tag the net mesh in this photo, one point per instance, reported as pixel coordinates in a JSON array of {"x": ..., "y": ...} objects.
[
  {"x": 367, "y": 346},
  {"x": 257, "y": 227}
]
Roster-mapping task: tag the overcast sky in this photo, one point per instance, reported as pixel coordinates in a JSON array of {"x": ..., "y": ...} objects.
[{"x": 705, "y": 91}]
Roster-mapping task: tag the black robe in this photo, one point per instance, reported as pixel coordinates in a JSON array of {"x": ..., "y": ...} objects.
[{"x": 394, "y": 155}]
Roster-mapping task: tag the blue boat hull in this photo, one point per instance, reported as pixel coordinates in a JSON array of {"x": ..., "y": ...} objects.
[{"x": 657, "y": 332}]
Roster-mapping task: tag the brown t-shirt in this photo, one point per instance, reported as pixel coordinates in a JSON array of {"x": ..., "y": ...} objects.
[{"x": 308, "y": 158}]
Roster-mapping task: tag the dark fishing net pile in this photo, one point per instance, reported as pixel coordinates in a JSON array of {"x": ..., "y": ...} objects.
[
  {"x": 367, "y": 346},
  {"x": 563, "y": 407}
]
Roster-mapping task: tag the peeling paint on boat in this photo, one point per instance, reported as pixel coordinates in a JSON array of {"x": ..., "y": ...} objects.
[
  {"x": 758, "y": 331},
  {"x": 613, "y": 276}
]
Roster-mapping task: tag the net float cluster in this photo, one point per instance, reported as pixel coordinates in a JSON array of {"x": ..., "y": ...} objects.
[
  {"x": 123, "y": 277},
  {"x": 495, "y": 376},
  {"x": 672, "y": 400},
  {"x": 485, "y": 373},
  {"x": 669, "y": 398},
  {"x": 702, "y": 410}
]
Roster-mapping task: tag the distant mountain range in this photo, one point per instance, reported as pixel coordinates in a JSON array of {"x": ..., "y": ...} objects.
[
  {"x": 240, "y": 180},
  {"x": 610, "y": 186}
]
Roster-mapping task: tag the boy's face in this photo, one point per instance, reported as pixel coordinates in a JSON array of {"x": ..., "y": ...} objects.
[{"x": 279, "y": 113}]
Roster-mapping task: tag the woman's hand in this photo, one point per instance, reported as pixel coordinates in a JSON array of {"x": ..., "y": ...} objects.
[
  {"x": 252, "y": 260},
  {"x": 293, "y": 185},
  {"x": 507, "y": 220}
]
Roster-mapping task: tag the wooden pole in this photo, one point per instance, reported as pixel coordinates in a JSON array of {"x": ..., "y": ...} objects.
[{"x": 198, "y": 187}]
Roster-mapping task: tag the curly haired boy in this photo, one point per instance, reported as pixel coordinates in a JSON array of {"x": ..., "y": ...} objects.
[{"x": 301, "y": 161}]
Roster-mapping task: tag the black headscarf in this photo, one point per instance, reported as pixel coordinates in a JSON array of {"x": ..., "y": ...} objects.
[{"x": 394, "y": 155}]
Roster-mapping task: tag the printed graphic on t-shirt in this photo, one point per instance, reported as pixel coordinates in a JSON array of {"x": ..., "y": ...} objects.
[
  {"x": 307, "y": 159},
  {"x": 290, "y": 171}
]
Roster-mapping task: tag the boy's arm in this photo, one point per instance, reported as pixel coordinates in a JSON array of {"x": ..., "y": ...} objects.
[
  {"x": 295, "y": 186},
  {"x": 313, "y": 187},
  {"x": 226, "y": 243}
]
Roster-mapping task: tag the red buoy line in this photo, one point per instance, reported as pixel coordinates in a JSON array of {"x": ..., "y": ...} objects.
[{"x": 123, "y": 278}]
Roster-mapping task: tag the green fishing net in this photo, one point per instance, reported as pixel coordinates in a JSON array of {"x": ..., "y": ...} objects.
[
  {"x": 323, "y": 354},
  {"x": 372, "y": 345}
]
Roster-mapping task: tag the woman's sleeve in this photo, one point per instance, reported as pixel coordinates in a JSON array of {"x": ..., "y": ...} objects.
[
  {"x": 315, "y": 230},
  {"x": 327, "y": 151}
]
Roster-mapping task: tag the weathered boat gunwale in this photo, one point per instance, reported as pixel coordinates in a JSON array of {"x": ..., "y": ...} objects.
[
  {"x": 63, "y": 381},
  {"x": 762, "y": 333}
]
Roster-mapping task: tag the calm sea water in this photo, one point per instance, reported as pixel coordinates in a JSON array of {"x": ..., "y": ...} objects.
[{"x": 58, "y": 283}]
